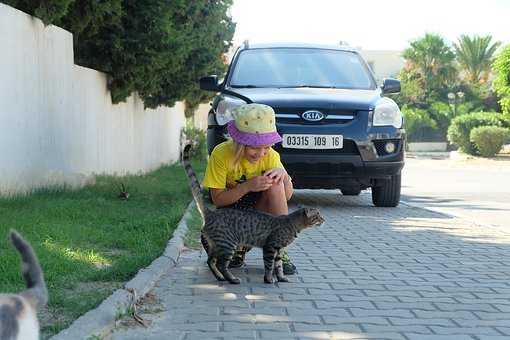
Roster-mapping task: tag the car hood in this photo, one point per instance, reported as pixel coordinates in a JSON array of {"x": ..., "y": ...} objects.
[{"x": 317, "y": 98}]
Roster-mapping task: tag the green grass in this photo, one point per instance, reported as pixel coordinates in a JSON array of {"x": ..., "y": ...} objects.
[
  {"x": 89, "y": 241},
  {"x": 194, "y": 222}
]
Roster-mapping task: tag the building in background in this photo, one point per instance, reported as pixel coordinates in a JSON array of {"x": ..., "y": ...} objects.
[{"x": 384, "y": 63}]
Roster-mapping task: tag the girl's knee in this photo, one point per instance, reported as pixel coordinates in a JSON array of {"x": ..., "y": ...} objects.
[{"x": 277, "y": 188}]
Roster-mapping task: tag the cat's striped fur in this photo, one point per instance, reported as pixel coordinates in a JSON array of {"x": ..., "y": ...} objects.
[
  {"x": 18, "y": 312},
  {"x": 226, "y": 229}
]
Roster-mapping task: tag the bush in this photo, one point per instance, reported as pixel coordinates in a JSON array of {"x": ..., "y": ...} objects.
[
  {"x": 489, "y": 139},
  {"x": 461, "y": 126},
  {"x": 429, "y": 122},
  {"x": 197, "y": 138},
  {"x": 418, "y": 124},
  {"x": 502, "y": 81}
]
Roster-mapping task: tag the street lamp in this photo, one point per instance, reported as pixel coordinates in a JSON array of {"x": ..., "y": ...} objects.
[{"x": 454, "y": 99}]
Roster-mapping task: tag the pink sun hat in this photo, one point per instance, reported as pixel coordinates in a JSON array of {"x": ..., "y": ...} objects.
[{"x": 253, "y": 125}]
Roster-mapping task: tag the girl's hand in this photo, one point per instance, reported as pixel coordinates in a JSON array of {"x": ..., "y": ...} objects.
[
  {"x": 276, "y": 174},
  {"x": 259, "y": 183}
]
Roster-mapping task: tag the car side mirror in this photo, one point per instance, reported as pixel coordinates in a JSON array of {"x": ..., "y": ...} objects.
[
  {"x": 209, "y": 83},
  {"x": 390, "y": 85}
]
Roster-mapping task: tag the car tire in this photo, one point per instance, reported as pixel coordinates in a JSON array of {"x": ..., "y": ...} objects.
[
  {"x": 388, "y": 194},
  {"x": 350, "y": 192}
]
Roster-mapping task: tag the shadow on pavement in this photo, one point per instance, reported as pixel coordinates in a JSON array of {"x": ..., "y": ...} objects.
[{"x": 367, "y": 273}]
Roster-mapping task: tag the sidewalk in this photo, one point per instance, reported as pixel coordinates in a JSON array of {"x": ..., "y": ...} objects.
[
  {"x": 367, "y": 273},
  {"x": 462, "y": 159}
]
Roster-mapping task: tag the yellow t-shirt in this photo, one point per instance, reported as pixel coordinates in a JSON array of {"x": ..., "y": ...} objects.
[{"x": 221, "y": 174}]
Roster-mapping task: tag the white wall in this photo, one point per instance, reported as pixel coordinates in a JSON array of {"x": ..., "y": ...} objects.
[
  {"x": 200, "y": 116},
  {"x": 57, "y": 122}
]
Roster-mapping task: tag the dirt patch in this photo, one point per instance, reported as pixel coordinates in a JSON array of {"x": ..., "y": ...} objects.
[{"x": 144, "y": 312}]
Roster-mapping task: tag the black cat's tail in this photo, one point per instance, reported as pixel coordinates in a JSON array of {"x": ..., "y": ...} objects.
[
  {"x": 196, "y": 188},
  {"x": 36, "y": 293}
]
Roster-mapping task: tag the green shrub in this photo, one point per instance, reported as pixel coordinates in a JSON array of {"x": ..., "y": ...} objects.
[
  {"x": 502, "y": 82},
  {"x": 197, "y": 138},
  {"x": 430, "y": 121},
  {"x": 489, "y": 139},
  {"x": 461, "y": 126},
  {"x": 417, "y": 123}
]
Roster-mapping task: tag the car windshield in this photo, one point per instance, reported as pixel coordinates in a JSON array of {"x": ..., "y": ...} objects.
[{"x": 300, "y": 67}]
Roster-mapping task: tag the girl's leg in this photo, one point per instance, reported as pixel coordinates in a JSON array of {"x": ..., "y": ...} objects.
[{"x": 274, "y": 201}]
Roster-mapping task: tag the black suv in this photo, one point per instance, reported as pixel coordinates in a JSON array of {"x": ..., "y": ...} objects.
[{"x": 339, "y": 131}]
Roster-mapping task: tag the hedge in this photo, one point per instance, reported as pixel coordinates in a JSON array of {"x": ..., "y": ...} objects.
[
  {"x": 489, "y": 139},
  {"x": 461, "y": 126}
]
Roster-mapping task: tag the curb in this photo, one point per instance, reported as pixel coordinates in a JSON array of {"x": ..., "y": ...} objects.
[{"x": 98, "y": 322}]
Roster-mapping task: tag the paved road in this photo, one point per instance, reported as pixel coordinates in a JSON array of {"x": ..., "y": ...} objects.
[
  {"x": 367, "y": 273},
  {"x": 480, "y": 191}
]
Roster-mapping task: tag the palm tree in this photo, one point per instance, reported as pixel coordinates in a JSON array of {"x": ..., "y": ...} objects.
[
  {"x": 429, "y": 61},
  {"x": 474, "y": 55}
]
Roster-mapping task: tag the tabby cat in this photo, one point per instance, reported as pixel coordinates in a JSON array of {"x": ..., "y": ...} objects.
[
  {"x": 226, "y": 229},
  {"x": 18, "y": 312}
]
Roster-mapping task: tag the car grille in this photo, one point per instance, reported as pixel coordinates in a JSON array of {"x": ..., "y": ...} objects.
[
  {"x": 349, "y": 148},
  {"x": 321, "y": 169},
  {"x": 379, "y": 146},
  {"x": 293, "y": 116}
]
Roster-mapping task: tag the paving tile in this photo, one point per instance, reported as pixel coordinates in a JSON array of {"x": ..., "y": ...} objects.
[{"x": 396, "y": 273}]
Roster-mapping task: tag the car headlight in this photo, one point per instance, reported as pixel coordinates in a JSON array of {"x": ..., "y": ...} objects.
[
  {"x": 387, "y": 113},
  {"x": 224, "y": 109}
]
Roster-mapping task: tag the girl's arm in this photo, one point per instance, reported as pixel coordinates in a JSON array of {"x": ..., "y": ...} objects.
[{"x": 224, "y": 197}]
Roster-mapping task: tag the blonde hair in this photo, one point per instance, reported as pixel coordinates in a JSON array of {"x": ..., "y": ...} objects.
[{"x": 238, "y": 153}]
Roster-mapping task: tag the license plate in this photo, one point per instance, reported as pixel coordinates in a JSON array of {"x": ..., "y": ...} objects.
[{"x": 293, "y": 141}]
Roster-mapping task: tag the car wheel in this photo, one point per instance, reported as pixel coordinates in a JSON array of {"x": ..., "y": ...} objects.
[
  {"x": 350, "y": 192},
  {"x": 388, "y": 194}
]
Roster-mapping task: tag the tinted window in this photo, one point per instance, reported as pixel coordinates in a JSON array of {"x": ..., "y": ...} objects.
[{"x": 292, "y": 67}]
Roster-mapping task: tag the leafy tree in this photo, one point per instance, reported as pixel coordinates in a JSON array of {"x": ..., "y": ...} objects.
[
  {"x": 474, "y": 55},
  {"x": 84, "y": 18},
  {"x": 157, "y": 48},
  {"x": 502, "y": 83},
  {"x": 429, "y": 68},
  {"x": 49, "y": 11}
]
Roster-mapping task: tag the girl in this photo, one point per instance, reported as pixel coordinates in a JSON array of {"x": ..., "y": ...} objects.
[{"x": 246, "y": 173}]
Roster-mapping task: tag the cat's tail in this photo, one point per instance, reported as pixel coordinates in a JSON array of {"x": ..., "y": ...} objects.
[
  {"x": 196, "y": 188},
  {"x": 36, "y": 293}
]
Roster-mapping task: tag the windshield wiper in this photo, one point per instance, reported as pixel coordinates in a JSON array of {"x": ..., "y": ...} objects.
[
  {"x": 308, "y": 86},
  {"x": 244, "y": 86}
]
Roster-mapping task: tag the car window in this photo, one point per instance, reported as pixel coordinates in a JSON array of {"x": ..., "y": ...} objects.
[{"x": 294, "y": 67}]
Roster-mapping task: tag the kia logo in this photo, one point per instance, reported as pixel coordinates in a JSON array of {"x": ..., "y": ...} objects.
[{"x": 312, "y": 116}]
